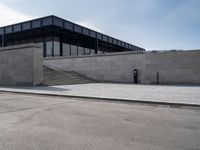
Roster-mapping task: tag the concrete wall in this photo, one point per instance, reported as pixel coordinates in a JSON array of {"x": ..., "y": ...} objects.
[
  {"x": 21, "y": 65},
  {"x": 174, "y": 67}
]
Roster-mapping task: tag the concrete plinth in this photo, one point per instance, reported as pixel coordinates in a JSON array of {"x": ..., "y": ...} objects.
[{"x": 21, "y": 65}]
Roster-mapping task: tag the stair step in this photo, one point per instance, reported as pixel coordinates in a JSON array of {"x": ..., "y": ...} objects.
[{"x": 54, "y": 77}]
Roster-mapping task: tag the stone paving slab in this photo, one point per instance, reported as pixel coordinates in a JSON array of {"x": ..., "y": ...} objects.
[{"x": 149, "y": 93}]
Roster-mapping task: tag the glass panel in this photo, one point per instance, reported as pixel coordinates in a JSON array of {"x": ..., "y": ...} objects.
[
  {"x": 114, "y": 41},
  {"x": 17, "y": 28},
  {"x": 119, "y": 43},
  {"x": 85, "y": 31},
  {"x": 93, "y": 34},
  {"x": 66, "y": 49},
  {"x": 126, "y": 45},
  {"x": 1, "y": 31},
  {"x": 80, "y": 51},
  {"x": 49, "y": 49},
  {"x": 110, "y": 40},
  {"x": 36, "y": 23},
  {"x": 132, "y": 47},
  {"x": 92, "y": 51},
  {"x": 47, "y": 21},
  {"x": 87, "y": 51},
  {"x": 99, "y": 36},
  {"x": 123, "y": 44},
  {"x": 77, "y": 28},
  {"x": 73, "y": 50},
  {"x": 9, "y": 29},
  {"x": 58, "y": 22},
  {"x": 26, "y": 26},
  {"x": 56, "y": 48},
  {"x": 68, "y": 25},
  {"x": 105, "y": 38}
]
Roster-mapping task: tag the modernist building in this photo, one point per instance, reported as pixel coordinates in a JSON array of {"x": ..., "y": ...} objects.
[
  {"x": 22, "y": 60},
  {"x": 60, "y": 37}
]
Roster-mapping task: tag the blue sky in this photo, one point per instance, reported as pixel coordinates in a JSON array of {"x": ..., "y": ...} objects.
[{"x": 151, "y": 24}]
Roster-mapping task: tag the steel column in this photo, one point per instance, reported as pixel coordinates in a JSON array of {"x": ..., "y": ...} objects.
[
  {"x": 96, "y": 46},
  {"x": 2, "y": 40}
]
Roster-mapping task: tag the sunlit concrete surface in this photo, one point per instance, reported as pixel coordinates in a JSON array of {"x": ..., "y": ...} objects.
[
  {"x": 172, "y": 94},
  {"x": 29, "y": 122}
]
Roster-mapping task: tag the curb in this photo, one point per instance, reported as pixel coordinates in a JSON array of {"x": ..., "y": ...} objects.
[{"x": 170, "y": 104}]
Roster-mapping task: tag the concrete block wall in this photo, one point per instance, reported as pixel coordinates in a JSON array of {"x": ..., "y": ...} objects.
[
  {"x": 173, "y": 67},
  {"x": 21, "y": 65}
]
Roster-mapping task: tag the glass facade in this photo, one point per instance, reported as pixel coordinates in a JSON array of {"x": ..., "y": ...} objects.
[
  {"x": 36, "y": 23},
  {"x": 81, "y": 51},
  {"x": 26, "y": 26},
  {"x": 49, "y": 49},
  {"x": 66, "y": 49},
  {"x": 87, "y": 51},
  {"x": 110, "y": 40},
  {"x": 1, "y": 31},
  {"x": 77, "y": 28},
  {"x": 58, "y": 22},
  {"x": 93, "y": 34},
  {"x": 105, "y": 38},
  {"x": 74, "y": 50},
  {"x": 46, "y": 21},
  {"x": 8, "y": 29},
  {"x": 17, "y": 28},
  {"x": 99, "y": 36},
  {"x": 92, "y": 51},
  {"x": 56, "y": 46},
  {"x": 86, "y": 31},
  {"x": 52, "y": 47},
  {"x": 68, "y": 25},
  {"x": 59, "y": 37}
]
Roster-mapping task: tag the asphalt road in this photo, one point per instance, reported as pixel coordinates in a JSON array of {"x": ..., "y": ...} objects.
[{"x": 29, "y": 122}]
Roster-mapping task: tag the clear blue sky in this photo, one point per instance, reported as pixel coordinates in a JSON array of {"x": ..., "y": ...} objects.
[{"x": 152, "y": 24}]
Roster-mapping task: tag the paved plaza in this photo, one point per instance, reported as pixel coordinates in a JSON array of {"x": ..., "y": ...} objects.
[
  {"x": 149, "y": 93},
  {"x": 32, "y": 122}
]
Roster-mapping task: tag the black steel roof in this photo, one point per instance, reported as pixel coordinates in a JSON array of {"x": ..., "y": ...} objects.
[{"x": 71, "y": 32}]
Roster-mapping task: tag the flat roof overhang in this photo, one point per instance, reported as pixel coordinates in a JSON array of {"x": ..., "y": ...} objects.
[{"x": 67, "y": 31}]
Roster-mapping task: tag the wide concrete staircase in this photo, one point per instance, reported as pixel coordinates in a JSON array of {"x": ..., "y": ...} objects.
[{"x": 54, "y": 77}]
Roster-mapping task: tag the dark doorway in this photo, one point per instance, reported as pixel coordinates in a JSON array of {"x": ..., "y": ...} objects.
[
  {"x": 157, "y": 78},
  {"x": 135, "y": 76}
]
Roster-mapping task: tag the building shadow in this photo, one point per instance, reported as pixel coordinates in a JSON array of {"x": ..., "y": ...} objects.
[{"x": 37, "y": 88}]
